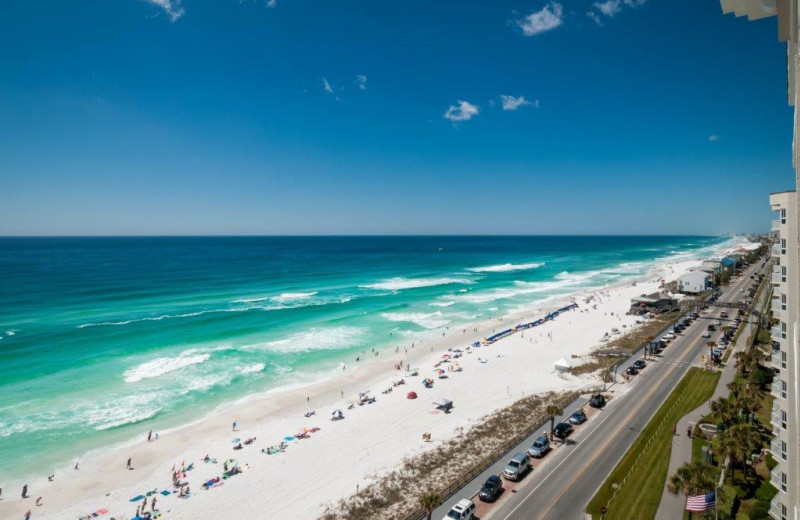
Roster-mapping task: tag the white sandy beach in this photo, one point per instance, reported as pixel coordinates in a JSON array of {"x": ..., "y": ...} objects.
[{"x": 343, "y": 454}]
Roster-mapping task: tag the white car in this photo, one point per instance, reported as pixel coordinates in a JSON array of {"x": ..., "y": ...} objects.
[
  {"x": 706, "y": 334},
  {"x": 718, "y": 323},
  {"x": 670, "y": 335},
  {"x": 463, "y": 510}
]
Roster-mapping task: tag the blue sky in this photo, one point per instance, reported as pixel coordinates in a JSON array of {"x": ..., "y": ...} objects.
[{"x": 338, "y": 116}]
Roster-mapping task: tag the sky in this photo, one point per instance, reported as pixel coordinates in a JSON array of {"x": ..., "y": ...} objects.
[{"x": 187, "y": 117}]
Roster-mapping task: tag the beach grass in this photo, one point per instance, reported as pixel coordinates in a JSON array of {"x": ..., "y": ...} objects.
[{"x": 639, "y": 478}]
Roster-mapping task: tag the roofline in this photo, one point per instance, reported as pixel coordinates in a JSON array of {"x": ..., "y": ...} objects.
[{"x": 785, "y": 191}]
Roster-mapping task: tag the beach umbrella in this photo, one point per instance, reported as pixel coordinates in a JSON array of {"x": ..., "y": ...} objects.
[
  {"x": 288, "y": 438},
  {"x": 235, "y": 440}
]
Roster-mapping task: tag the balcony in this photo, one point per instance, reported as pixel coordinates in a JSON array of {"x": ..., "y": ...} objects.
[
  {"x": 776, "y": 250},
  {"x": 776, "y": 278},
  {"x": 776, "y": 333},
  {"x": 775, "y": 507},
  {"x": 775, "y": 389},
  {"x": 775, "y": 477},
  {"x": 776, "y": 225},
  {"x": 777, "y": 359},
  {"x": 775, "y": 419}
]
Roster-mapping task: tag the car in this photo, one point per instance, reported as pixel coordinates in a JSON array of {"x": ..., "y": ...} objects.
[
  {"x": 639, "y": 364},
  {"x": 706, "y": 334},
  {"x": 539, "y": 448},
  {"x": 711, "y": 327},
  {"x": 723, "y": 314},
  {"x": 669, "y": 335},
  {"x": 717, "y": 323},
  {"x": 491, "y": 489},
  {"x": 632, "y": 370},
  {"x": 463, "y": 510},
  {"x": 562, "y": 430},
  {"x": 599, "y": 400},
  {"x": 577, "y": 417},
  {"x": 516, "y": 467}
]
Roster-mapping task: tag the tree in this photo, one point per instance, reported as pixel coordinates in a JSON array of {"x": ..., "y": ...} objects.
[
  {"x": 737, "y": 444},
  {"x": 553, "y": 410},
  {"x": 724, "y": 410},
  {"x": 693, "y": 478},
  {"x": 428, "y": 501}
]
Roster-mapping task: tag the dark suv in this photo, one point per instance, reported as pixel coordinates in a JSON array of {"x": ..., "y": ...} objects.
[
  {"x": 597, "y": 401},
  {"x": 562, "y": 430},
  {"x": 491, "y": 489}
]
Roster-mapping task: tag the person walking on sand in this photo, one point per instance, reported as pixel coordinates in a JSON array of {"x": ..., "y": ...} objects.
[
  {"x": 129, "y": 464},
  {"x": 28, "y": 515},
  {"x": 153, "y": 504},
  {"x": 25, "y": 491},
  {"x": 39, "y": 501},
  {"x": 144, "y": 504},
  {"x": 150, "y": 436},
  {"x": 234, "y": 425}
]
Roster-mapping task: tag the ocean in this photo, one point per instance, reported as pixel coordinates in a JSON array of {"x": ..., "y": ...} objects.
[{"x": 103, "y": 339}]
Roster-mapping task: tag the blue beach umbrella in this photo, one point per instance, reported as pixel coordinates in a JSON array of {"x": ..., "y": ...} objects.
[{"x": 288, "y": 438}]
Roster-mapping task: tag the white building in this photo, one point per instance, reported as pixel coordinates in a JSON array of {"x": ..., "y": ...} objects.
[
  {"x": 785, "y": 414},
  {"x": 785, "y": 387},
  {"x": 694, "y": 282}
]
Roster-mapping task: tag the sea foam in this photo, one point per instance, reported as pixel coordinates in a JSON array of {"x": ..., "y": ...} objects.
[
  {"x": 164, "y": 365},
  {"x": 504, "y": 268},
  {"x": 400, "y": 283}
]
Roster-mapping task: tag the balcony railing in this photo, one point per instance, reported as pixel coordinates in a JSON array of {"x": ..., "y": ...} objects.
[
  {"x": 776, "y": 225},
  {"x": 776, "y": 390},
  {"x": 776, "y": 333},
  {"x": 775, "y": 418},
  {"x": 776, "y": 359},
  {"x": 775, "y": 476},
  {"x": 775, "y": 508},
  {"x": 776, "y": 278},
  {"x": 776, "y": 251}
]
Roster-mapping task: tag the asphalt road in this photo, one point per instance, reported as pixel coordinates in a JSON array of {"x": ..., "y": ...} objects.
[{"x": 561, "y": 488}]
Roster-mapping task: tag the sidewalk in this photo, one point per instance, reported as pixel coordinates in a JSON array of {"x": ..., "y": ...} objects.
[{"x": 671, "y": 506}]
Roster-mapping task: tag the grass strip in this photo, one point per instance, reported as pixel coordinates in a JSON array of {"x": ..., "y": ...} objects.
[{"x": 639, "y": 478}]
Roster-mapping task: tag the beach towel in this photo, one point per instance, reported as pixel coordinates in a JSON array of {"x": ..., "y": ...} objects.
[
  {"x": 166, "y": 493},
  {"x": 136, "y": 498}
]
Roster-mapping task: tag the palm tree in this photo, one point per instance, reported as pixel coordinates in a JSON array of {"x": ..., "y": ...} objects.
[
  {"x": 691, "y": 479},
  {"x": 737, "y": 443},
  {"x": 724, "y": 410},
  {"x": 428, "y": 501},
  {"x": 553, "y": 410}
]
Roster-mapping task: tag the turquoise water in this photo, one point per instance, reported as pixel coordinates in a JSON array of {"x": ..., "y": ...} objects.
[{"x": 105, "y": 338}]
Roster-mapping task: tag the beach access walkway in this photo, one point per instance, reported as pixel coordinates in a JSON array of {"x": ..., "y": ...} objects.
[{"x": 671, "y": 506}]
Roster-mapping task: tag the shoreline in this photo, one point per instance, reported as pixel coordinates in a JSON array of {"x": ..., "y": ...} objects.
[{"x": 104, "y": 479}]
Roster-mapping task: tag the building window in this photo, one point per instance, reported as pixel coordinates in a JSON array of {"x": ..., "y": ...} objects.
[
  {"x": 783, "y": 450},
  {"x": 783, "y": 419},
  {"x": 783, "y": 216},
  {"x": 783, "y": 389},
  {"x": 783, "y": 512},
  {"x": 783, "y": 359},
  {"x": 783, "y": 329},
  {"x": 783, "y": 296},
  {"x": 783, "y": 482}
]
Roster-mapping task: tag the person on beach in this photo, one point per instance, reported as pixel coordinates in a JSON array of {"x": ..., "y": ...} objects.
[
  {"x": 129, "y": 464},
  {"x": 50, "y": 478},
  {"x": 138, "y": 508},
  {"x": 76, "y": 466},
  {"x": 153, "y": 505},
  {"x": 39, "y": 501},
  {"x": 144, "y": 504},
  {"x": 234, "y": 425},
  {"x": 25, "y": 491},
  {"x": 28, "y": 515},
  {"x": 150, "y": 436}
]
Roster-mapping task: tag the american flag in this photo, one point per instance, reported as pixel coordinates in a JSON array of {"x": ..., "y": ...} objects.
[{"x": 701, "y": 502}]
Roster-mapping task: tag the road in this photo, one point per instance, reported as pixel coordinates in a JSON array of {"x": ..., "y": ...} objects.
[{"x": 561, "y": 488}]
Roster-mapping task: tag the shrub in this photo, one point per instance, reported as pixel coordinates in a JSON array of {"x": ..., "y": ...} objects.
[
  {"x": 770, "y": 461},
  {"x": 727, "y": 503},
  {"x": 766, "y": 491},
  {"x": 760, "y": 510}
]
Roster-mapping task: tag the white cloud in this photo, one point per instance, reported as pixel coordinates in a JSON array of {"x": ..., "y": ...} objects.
[
  {"x": 173, "y": 8},
  {"x": 634, "y": 3},
  {"x": 328, "y": 88},
  {"x": 546, "y": 19},
  {"x": 361, "y": 80},
  {"x": 272, "y": 3},
  {"x": 609, "y": 7},
  {"x": 594, "y": 16},
  {"x": 464, "y": 111},
  {"x": 513, "y": 103},
  {"x": 713, "y": 138}
]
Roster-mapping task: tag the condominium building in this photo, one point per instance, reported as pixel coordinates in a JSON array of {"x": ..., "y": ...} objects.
[
  {"x": 786, "y": 358},
  {"x": 785, "y": 414}
]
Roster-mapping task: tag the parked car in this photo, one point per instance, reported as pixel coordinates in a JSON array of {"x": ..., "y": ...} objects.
[
  {"x": 723, "y": 314},
  {"x": 669, "y": 335},
  {"x": 516, "y": 467},
  {"x": 539, "y": 448},
  {"x": 632, "y": 370},
  {"x": 706, "y": 334},
  {"x": 491, "y": 489},
  {"x": 599, "y": 400},
  {"x": 639, "y": 364},
  {"x": 577, "y": 417},
  {"x": 463, "y": 510},
  {"x": 711, "y": 327},
  {"x": 717, "y": 323},
  {"x": 562, "y": 430}
]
